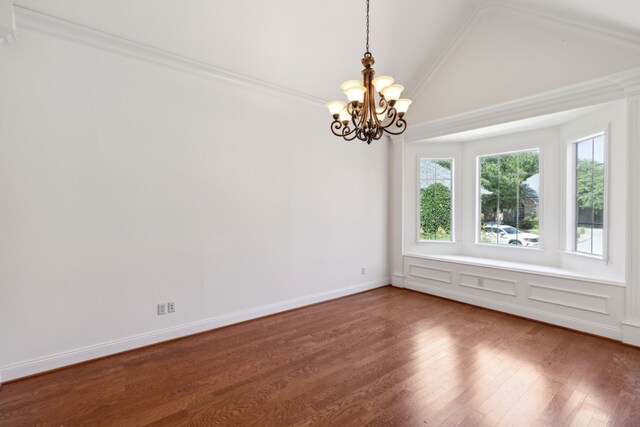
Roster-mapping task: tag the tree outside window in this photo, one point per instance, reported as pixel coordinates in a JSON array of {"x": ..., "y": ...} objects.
[
  {"x": 589, "y": 197},
  {"x": 510, "y": 198},
  {"x": 436, "y": 184}
]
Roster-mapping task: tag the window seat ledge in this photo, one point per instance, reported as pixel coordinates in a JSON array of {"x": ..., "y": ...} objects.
[{"x": 520, "y": 267}]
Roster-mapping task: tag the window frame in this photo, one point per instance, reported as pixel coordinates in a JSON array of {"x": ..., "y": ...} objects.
[
  {"x": 419, "y": 158},
  {"x": 570, "y": 220},
  {"x": 478, "y": 197}
]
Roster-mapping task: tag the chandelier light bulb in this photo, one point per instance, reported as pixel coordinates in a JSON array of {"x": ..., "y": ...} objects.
[
  {"x": 355, "y": 93},
  {"x": 381, "y": 82},
  {"x": 349, "y": 84},
  {"x": 402, "y": 105},
  {"x": 392, "y": 93},
  {"x": 335, "y": 107}
]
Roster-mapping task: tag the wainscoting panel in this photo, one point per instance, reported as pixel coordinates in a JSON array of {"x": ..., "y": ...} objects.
[
  {"x": 441, "y": 275},
  {"x": 569, "y": 298},
  {"x": 488, "y": 284},
  {"x": 564, "y": 299}
]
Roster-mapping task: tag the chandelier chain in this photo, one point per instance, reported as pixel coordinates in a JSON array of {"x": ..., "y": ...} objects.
[{"x": 367, "y": 25}]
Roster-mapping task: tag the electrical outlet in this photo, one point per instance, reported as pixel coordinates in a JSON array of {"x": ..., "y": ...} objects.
[
  {"x": 171, "y": 307},
  {"x": 364, "y": 270},
  {"x": 162, "y": 309}
]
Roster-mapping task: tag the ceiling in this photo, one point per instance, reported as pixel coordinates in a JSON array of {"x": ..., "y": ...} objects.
[
  {"x": 623, "y": 15},
  {"x": 310, "y": 47}
]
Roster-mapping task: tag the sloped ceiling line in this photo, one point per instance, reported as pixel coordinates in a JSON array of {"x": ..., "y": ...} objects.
[
  {"x": 450, "y": 48},
  {"x": 623, "y": 38},
  {"x": 47, "y": 24}
]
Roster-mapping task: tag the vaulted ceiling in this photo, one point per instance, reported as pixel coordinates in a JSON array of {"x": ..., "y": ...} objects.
[{"x": 311, "y": 47}]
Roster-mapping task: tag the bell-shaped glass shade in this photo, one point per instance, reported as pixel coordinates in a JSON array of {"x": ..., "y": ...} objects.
[
  {"x": 381, "y": 82},
  {"x": 344, "y": 116},
  {"x": 350, "y": 83},
  {"x": 355, "y": 93},
  {"x": 335, "y": 107},
  {"x": 392, "y": 93},
  {"x": 402, "y": 105}
]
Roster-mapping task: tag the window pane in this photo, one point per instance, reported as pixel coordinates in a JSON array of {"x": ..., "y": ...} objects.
[
  {"x": 589, "y": 196},
  {"x": 424, "y": 183},
  {"x": 436, "y": 184},
  {"x": 510, "y": 196},
  {"x": 427, "y": 169},
  {"x": 583, "y": 238},
  {"x": 508, "y": 165},
  {"x": 443, "y": 169},
  {"x": 488, "y": 168},
  {"x": 598, "y": 150},
  {"x": 585, "y": 150}
]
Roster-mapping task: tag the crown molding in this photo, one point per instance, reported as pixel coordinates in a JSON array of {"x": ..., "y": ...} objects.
[
  {"x": 33, "y": 20},
  {"x": 629, "y": 82},
  {"x": 608, "y": 88}
]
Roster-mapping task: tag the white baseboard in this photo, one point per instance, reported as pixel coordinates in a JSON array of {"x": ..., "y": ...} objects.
[
  {"x": 631, "y": 333},
  {"x": 519, "y": 310},
  {"x": 19, "y": 370},
  {"x": 397, "y": 280}
]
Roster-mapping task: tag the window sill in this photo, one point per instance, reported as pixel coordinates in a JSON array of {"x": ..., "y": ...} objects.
[
  {"x": 439, "y": 242},
  {"x": 587, "y": 256},
  {"x": 519, "y": 267},
  {"x": 509, "y": 247}
]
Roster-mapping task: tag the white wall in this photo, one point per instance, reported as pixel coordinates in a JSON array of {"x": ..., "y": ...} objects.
[{"x": 125, "y": 184}]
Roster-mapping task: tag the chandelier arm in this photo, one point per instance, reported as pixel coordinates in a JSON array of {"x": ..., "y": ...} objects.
[
  {"x": 392, "y": 113},
  {"x": 400, "y": 124},
  {"x": 348, "y": 138},
  {"x": 336, "y": 125},
  {"x": 385, "y": 109},
  {"x": 383, "y": 103},
  {"x": 360, "y": 115},
  {"x": 361, "y": 135}
]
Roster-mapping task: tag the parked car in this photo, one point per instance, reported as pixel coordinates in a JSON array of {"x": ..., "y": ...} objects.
[{"x": 506, "y": 234}]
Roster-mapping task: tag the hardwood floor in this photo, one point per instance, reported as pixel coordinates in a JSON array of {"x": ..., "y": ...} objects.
[{"x": 385, "y": 357}]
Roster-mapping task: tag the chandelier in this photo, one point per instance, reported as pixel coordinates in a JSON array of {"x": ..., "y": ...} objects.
[{"x": 362, "y": 117}]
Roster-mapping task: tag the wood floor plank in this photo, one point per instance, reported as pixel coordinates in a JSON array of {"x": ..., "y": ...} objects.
[{"x": 388, "y": 357}]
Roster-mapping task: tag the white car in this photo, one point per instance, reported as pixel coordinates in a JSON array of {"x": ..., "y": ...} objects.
[{"x": 506, "y": 234}]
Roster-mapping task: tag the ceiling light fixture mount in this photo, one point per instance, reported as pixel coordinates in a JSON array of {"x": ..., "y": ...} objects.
[{"x": 362, "y": 117}]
